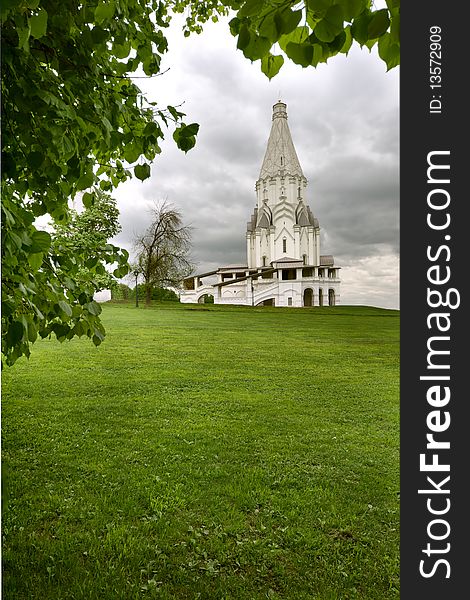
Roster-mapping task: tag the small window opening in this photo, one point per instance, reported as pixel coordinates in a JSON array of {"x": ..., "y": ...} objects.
[{"x": 284, "y": 245}]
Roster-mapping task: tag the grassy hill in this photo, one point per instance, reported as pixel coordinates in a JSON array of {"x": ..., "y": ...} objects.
[{"x": 206, "y": 452}]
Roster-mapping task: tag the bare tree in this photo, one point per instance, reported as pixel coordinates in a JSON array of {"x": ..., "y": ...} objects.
[{"x": 163, "y": 250}]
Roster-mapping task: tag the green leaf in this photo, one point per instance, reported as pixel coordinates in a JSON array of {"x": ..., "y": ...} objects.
[
  {"x": 23, "y": 37},
  {"x": 105, "y": 184},
  {"x": 88, "y": 199},
  {"x": 104, "y": 10},
  {"x": 142, "y": 172},
  {"x": 91, "y": 262},
  {"x": 320, "y": 54},
  {"x": 16, "y": 240},
  {"x": 93, "y": 308},
  {"x": 186, "y": 143},
  {"x": 337, "y": 44},
  {"x": 69, "y": 283},
  {"x": 122, "y": 50},
  {"x": 268, "y": 27},
  {"x": 15, "y": 333},
  {"x": 107, "y": 124},
  {"x": 32, "y": 332},
  {"x": 35, "y": 260},
  {"x": 85, "y": 181},
  {"x": 359, "y": 27},
  {"x": 189, "y": 130},
  {"x": 348, "y": 40},
  {"x": 395, "y": 29},
  {"x": 389, "y": 52},
  {"x": 271, "y": 64},
  {"x": 35, "y": 159},
  {"x": 244, "y": 37},
  {"x": 184, "y": 136},
  {"x": 297, "y": 36},
  {"x": 257, "y": 48},
  {"x": 251, "y": 7},
  {"x": 331, "y": 25},
  {"x": 79, "y": 329},
  {"x": 132, "y": 152},
  {"x": 38, "y": 312},
  {"x": 319, "y": 5},
  {"x": 286, "y": 20},
  {"x": 121, "y": 271},
  {"x": 48, "y": 97},
  {"x": 65, "y": 307},
  {"x": 38, "y": 24},
  {"x": 392, "y": 4},
  {"x": 99, "y": 35},
  {"x": 352, "y": 8},
  {"x": 60, "y": 330},
  {"x": 234, "y": 25},
  {"x": 150, "y": 129},
  {"x": 301, "y": 54},
  {"x": 176, "y": 114},
  {"x": 151, "y": 65},
  {"x": 378, "y": 24},
  {"x": 98, "y": 336},
  {"x": 41, "y": 241}
]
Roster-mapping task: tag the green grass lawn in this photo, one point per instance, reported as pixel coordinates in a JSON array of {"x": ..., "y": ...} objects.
[{"x": 207, "y": 452}]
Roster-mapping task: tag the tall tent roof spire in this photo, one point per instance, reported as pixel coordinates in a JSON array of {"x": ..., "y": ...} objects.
[{"x": 280, "y": 153}]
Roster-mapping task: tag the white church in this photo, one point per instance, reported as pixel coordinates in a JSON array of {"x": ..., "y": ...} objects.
[{"x": 284, "y": 265}]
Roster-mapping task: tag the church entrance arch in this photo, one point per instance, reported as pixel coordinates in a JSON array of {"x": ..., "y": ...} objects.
[
  {"x": 206, "y": 299},
  {"x": 308, "y": 297},
  {"x": 331, "y": 297},
  {"x": 268, "y": 302}
]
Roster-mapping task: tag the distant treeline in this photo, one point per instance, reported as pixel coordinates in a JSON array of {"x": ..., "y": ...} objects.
[{"x": 124, "y": 292}]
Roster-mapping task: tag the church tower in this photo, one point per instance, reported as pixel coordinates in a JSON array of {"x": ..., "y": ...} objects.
[
  {"x": 282, "y": 225},
  {"x": 284, "y": 266}
]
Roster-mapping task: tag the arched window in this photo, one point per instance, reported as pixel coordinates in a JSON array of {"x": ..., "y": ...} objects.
[
  {"x": 284, "y": 245},
  {"x": 264, "y": 261},
  {"x": 331, "y": 297},
  {"x": 304, "y": 257},
  {"x": 308, "y": 297}
]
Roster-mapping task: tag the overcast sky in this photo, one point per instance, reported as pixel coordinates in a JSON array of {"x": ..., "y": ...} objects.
[{"x": 343, "y": 117}]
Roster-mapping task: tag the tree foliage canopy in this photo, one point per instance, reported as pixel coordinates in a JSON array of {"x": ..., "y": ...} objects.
[
  {"x": 87, "y": 233},
  {"x": 72, "y": 119},
  {"x": 308, "y": 32}
]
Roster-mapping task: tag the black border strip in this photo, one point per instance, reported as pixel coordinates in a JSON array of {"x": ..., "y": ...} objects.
[{"x": 423, "y": 245}]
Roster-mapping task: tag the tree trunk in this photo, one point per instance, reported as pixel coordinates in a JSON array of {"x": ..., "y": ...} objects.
[{"x": 148, "y": 294}]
